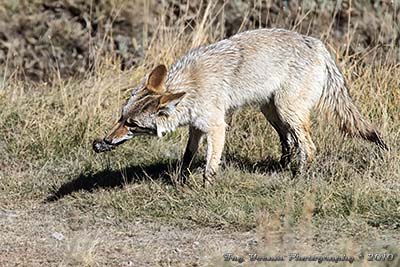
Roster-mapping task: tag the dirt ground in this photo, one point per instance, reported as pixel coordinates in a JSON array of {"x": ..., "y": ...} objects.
[{"x": 52, "y": 235}]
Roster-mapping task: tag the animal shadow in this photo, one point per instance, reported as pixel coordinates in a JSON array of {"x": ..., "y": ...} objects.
[
  {"x": 268, "y": 165},
  {"x": 163, "y": 172},
  {"x": 108, "y": 178}
]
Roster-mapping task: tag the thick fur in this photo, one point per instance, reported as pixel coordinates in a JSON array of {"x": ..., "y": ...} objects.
[
  {"x": 336, "y": 97},
  {"x": 284, "y": 72}
]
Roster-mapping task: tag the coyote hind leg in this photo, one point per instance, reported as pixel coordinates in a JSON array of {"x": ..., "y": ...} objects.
[
  {"x": 306, "y": 142},
  {"x": 283, "y": 129},
  {"x": 294, "y": 133},
  {"x": 300, "y": 126}
]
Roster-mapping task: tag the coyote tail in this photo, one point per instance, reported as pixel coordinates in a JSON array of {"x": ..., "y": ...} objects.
[{"x": 336, "y": 98}]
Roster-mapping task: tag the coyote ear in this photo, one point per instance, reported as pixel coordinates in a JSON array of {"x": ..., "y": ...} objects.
[
  {"x": 156, "y": 80},
  {"x": 169, "y": 102}
]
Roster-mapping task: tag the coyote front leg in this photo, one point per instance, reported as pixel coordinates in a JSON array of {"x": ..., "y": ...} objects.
[
  {"x": 195, "y": 136},
  {"x": 215, "y": 145}
]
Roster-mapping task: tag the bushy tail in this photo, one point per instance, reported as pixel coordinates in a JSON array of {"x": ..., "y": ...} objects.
[{"x": 336, "y": 98}]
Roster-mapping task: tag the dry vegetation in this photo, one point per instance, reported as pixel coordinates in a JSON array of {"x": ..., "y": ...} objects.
[{"x": 122, "y": 208}]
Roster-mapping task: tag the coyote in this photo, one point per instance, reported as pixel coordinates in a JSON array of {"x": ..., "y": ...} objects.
[{"x": 284, "y": 72}]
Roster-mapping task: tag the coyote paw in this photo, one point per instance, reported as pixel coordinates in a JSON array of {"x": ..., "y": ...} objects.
[{"x": 208, "y": 178}]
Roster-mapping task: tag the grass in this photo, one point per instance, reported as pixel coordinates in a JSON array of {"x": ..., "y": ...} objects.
[{"x": 109, "y": 206}]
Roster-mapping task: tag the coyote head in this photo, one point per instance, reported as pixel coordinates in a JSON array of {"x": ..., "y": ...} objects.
[{"x": 149, "y": 105}]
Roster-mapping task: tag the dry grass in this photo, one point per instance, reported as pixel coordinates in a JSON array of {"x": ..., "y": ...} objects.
[{"x": 121, "y": 208}]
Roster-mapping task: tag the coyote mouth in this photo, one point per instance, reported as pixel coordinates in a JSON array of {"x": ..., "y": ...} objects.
[{"x": 101, "y": 146}]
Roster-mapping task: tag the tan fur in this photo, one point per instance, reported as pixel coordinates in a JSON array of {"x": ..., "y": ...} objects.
[
  {"x": 165, "y": 99},
  {"x": 284, "y": 72},
  {"x": 119, "y": 130},
  {"x": 156, "y": 80},
  {"x": 336, "y": 98}
]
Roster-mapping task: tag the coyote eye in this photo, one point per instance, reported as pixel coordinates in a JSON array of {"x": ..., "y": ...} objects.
[{"x": 131, "y": 123}]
